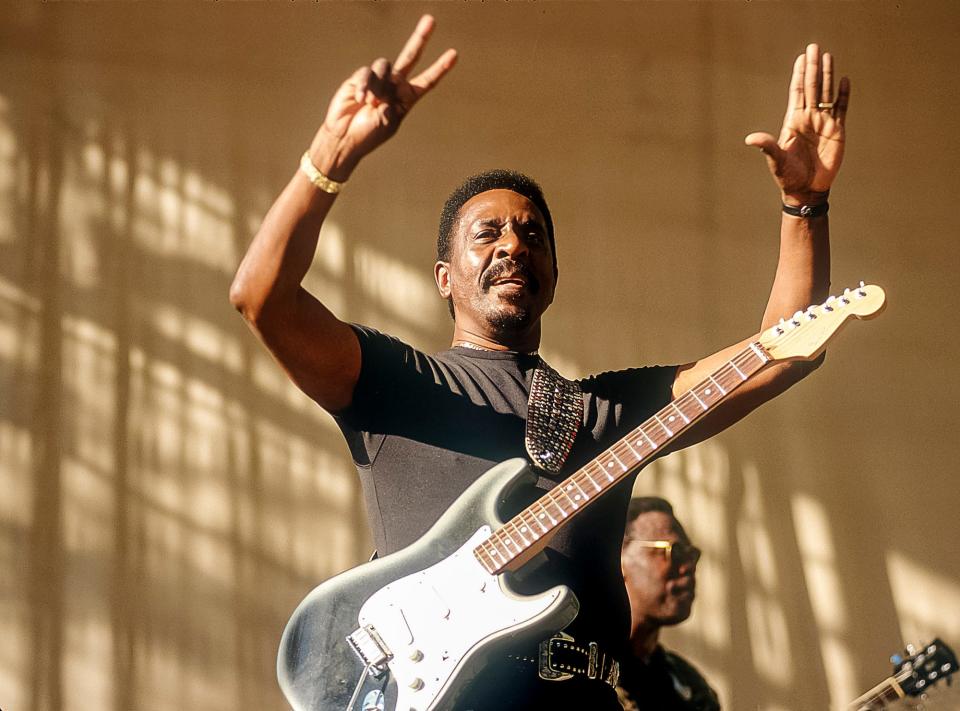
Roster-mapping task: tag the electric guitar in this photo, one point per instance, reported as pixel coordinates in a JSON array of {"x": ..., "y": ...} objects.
[
  {"x": 408, "y": 631},
  {"x": 912, "y": 676}
]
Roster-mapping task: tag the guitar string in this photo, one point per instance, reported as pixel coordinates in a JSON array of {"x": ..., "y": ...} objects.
[{"x": 748, "y": 361}]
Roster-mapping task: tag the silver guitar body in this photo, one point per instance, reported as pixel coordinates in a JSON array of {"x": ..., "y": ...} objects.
[{"x": 410, "y": 630}]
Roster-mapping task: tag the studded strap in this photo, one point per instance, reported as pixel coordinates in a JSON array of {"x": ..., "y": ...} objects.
[{"x": 554, "y": 416}]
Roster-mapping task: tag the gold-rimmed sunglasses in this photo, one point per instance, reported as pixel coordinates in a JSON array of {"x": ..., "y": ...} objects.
[{"x": 677, "y": 552}]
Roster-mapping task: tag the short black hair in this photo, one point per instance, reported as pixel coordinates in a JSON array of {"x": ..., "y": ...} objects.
[
  {"x": 496, "y": 179},
  {"x": 645, "y": 504}
]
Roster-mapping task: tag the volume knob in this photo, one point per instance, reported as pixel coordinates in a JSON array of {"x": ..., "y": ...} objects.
[{"x": 416, "y": 683}]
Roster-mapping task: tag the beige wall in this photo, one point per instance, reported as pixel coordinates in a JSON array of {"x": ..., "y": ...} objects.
[{"x": 167, "y": 498}]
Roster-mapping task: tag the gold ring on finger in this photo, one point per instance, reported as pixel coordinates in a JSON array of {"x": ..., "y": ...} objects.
[{"x": 825, "y": 105}]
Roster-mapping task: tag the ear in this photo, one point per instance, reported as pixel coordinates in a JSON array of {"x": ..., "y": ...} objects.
[{"x": 441, "y": 273}]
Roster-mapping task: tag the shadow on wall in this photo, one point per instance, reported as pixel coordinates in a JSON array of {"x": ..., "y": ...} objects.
[
  {"x": 168, "y": 496},
  {"x": 166, "y": 488}
]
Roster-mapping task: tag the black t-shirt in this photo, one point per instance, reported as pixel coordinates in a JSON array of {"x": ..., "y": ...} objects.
[
  {"x": 422, "y": 428},
  {"x": 667, "y": 682}
]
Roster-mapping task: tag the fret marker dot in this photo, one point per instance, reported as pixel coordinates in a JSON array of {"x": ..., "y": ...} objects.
[
  {"x": 523, "y": 529},
  {"x": 639, "y": 442},
  {"x": 610, "y": 465},
  {"x": 671, "y": 418},
  {"x": 707, "y": 391},
  {"x": 542, "y": 516},
  {"x": 569, "y": 487},
  {"x": 577, "y": 497}
]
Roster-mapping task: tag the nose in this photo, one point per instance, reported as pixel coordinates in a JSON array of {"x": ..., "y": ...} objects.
[{"x": 511, "y": 243}]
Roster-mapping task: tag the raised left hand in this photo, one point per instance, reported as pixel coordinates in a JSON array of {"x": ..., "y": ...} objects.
[{"x": 806, "y": 157}]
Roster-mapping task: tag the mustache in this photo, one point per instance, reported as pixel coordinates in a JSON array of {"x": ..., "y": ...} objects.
[{"x": 508, "y": 268}]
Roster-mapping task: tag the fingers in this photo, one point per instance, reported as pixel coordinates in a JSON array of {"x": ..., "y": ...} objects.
[
  {"x": 812, "y": 78},
  {"x": 428, "y": 78},
  {"x": 826, "y": 84},
  {"x": 795, "y": 94},
  {"x": 374, "y": 83},
  {"x": 410, "y": 54},
  {"x": 843, "y": 99}
]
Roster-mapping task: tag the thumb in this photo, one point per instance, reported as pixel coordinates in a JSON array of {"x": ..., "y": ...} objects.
[{"x": 766, "y": 143}]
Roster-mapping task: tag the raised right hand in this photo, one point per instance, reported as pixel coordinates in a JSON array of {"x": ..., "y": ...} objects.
[{"x": 369, "y": 106}]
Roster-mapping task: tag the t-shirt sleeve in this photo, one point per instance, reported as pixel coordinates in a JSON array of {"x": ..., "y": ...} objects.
[
  {"x": 618, "y": 401},
  {"x": 389, "y": 370}
]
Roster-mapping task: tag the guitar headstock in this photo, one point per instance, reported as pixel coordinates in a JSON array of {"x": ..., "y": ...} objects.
[
  {"x": 805, "y": 334},
  {"x": 919, "y": 670}
]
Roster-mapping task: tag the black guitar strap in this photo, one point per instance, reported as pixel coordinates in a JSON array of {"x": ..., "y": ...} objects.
[{"x": 554, "y": 416}]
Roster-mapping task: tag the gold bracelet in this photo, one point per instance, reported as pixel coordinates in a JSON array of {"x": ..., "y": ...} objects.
[{"x": 327, "y": 185}]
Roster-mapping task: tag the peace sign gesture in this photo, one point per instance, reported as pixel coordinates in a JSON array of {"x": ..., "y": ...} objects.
[
  {"x": 806, "y": 158},
  {"x": 368, "y": 107}
]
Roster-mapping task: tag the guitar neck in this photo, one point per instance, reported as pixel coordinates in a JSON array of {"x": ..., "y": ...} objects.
[
  {"x": 878, "y": 697},
  {"x": 527, "y": 532}
]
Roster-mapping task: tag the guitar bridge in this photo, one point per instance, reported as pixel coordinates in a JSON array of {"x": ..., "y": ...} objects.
[{"x": 370, "y": 647}]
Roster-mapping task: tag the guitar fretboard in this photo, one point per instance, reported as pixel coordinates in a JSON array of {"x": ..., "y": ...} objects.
[{"x": 588, "y": 483}]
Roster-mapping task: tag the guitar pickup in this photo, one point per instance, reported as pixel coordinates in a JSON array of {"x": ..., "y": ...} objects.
[{"x": 370, "y": 647}]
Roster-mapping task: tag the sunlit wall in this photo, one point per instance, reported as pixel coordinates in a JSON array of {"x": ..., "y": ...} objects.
[{"x": 167, "y": 497}]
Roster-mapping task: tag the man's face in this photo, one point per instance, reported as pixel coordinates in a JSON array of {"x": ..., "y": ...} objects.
[
  {"x": 661, "y": 588},
  {"x": 500, "y": 275}
]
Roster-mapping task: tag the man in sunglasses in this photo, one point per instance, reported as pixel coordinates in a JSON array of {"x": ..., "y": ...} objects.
[{"x": 659, "y": 571}]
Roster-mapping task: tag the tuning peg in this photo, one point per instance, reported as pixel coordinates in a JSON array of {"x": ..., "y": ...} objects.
[
  {"x": 861, "y": 291},
  {"x": 811, "y": 314},
  {"x": 796, "y": 318},
  {"x": 911, "y": 650}
]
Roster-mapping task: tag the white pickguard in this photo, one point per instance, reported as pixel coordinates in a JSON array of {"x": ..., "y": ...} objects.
[{"x": 433, "y": 621}]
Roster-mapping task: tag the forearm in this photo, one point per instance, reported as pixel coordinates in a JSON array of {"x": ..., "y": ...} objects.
[
  {"x": 282, "y": 250},
  {"x": 803, "y": 268}
]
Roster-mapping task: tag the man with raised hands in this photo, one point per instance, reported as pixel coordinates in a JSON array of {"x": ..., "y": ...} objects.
[{"x": 421, "y": 428}]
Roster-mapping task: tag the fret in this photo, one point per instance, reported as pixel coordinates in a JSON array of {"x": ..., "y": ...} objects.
[
  {"x": 516, "y": 528},
  {"x": 686, "y": 419},
  {"x": 564, "y": 492},
  {"x": 527, "y": 526},
  {"x": 591, "y": 479},
  {"x": 495, "y": 551},
  {"x": 739, "y": 372},
  {"x": 635, "y": 453},
  {"x": 691, "y": 407},
  {"x": 510, "y": 542},
  {"x": 573, "y": 483},
  {"x": 665, "y": 428},
  {"x": 614, "y": 455},
  {"x": 539, "y": 519},
  {"x": 546, "y": 512},
  {"x": 481, "y": 554},
  {"x": 722, "y": 391},
  {"x": 709, "y": 393},
  {"x": 605, "y": 472},
  {"x": 760, "y": 354},
  {"x": 626, "y": 454},
  {"x": 563, "y": 512},
  {"x": 644, "y": 433},
  {"x": 702, "y": 403}
]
